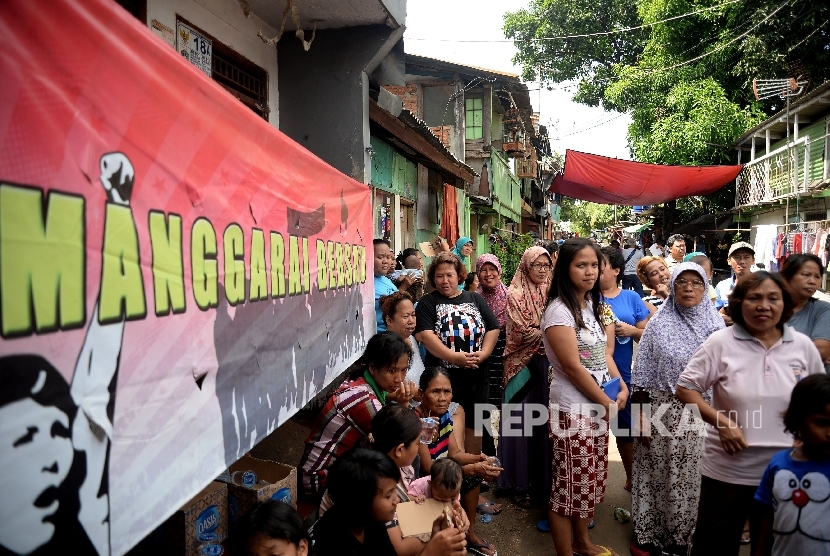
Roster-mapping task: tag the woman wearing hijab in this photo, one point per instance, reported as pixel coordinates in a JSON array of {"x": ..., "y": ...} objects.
[
  {"x": 525, "y": 379},
  {"x": 666, "y": 482},
  {"x": 494, "y": 292},
  {"x": 463, "y": 249}
]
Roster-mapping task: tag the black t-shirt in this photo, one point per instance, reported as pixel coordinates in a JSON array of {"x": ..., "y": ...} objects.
[
  {"x": 460, "y": 322},
  {"x": 333, "y": 538}
]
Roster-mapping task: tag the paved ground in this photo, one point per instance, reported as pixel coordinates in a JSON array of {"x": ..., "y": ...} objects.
[{"x": 513, "y": 532}]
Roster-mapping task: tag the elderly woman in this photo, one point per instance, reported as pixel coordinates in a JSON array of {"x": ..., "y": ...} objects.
[
  {"x": 449, "y": 441},
  {"x": 811, "y": 316},
  {"x": 654, "y": 274},
  {"x": 459, "y": 331},
  {"x": 666, "y": 475},
  {"x": 525, "y": 379},
  {"x": 751, "y": 369}
]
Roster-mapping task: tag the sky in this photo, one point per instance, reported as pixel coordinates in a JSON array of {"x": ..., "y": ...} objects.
[{"x": 440, "y": 20}]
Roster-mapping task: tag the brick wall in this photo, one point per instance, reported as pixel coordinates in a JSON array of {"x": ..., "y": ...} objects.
[
  {"x": 409, "y": 95},
  {"x": 443, "y": 133}
]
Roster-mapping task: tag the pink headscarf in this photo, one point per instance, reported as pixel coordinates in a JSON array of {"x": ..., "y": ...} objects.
[
  {"x": 525, "y": 305},
  {"x": 496, "y": 297}
]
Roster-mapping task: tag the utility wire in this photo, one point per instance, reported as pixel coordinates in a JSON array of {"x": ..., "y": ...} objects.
[
  {"x": 705, "y": 54},
  {"x": 597, "y": 34},
  {"x": 587, "y": 128},
  {"x": 807, "y": 37}
]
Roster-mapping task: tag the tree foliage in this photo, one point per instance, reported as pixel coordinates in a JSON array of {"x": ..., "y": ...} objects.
[
  {"x": 685, "y": 82},
  {"x": 510, "y": 253},
  {"x": 585, "y": 216}
]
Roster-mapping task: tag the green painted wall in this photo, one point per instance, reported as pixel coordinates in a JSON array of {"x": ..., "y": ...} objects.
[
  {"x": 507, "y": 199},
  {"x": 392, "y": 172},
  {"x": 814, "y": 131}
]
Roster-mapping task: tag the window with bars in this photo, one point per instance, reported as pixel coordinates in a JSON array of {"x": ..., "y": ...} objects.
[
  {"x": 473, "y": 118},
  {"x": 239, "y": 76},
  {"x": 243, "y": 79}
]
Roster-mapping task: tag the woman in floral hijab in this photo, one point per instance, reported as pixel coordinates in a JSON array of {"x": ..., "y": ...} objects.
[
  {"x": 666, "y": 481},
  {"x": 525, "y": 377}
]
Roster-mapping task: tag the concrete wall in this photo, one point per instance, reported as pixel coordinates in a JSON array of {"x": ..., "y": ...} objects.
[
  {"x": 324, "y": 93},
  {"x": 224, "y": 20}
]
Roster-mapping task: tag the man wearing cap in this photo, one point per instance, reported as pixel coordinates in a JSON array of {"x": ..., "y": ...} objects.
[
  {"x": 677, "y": 250},
  {"x": 741, "y": 258}
]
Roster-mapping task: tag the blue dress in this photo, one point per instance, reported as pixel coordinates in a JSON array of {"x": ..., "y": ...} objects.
[
  {"x": 630, "y": 309},
  {"x": 383, "y": 286}
]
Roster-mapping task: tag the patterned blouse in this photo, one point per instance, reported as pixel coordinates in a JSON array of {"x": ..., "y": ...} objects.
[{"x": 440, "y": 448}]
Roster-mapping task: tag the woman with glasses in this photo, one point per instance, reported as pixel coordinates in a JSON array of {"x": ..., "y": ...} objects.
[
  {"x": 631, "y": 314},
  {"x": 751, "y": 369},
  {"x": 581, "y": 358},
  {"x": 525, "y": 379},
  {"x": 666, "y": 476},
  {"x": 653, "y": 272}
]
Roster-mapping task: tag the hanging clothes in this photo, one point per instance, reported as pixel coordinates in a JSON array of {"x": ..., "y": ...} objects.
[{"x": 764, "y": 251}]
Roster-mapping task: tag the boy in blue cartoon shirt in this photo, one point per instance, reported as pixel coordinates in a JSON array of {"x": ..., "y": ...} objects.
[{"x": 795, "y": 487}]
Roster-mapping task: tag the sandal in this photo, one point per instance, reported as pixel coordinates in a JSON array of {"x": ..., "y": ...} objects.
[
  {"x": 523, "y": 501},
  {"x": 543, "y": 526},
  {"x": 479, "y": 549},
  {"x": 490, "y": 508}
]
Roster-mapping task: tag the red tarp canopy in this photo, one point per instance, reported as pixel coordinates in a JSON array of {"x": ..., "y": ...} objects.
[{"x": 600, "y": 179}]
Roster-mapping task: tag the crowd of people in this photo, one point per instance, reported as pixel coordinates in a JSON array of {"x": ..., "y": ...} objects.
[{"x": 721, "y": 414}]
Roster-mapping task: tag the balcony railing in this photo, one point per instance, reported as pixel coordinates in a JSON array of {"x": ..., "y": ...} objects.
[{"x": 788, "y": 170}]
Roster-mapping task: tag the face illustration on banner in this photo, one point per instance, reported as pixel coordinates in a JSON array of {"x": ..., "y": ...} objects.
[
  {"x": 37, "y": 452},
  {"x": 42, "y": 431}
]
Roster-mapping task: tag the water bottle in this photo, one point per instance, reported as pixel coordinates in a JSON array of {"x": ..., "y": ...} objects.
[{"x": 621, "y": 339}]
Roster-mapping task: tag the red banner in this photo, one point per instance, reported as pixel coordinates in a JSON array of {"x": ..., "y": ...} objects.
[
  {"x": 612, "y": 181},
  {"x": 177, "y": 278}
]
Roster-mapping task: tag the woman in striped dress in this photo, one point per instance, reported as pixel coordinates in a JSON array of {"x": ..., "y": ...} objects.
[{"x": 436, "y": 402}]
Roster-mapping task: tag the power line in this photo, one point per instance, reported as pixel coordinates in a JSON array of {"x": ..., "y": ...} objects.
[
  {"x": 705, "y": 54},
  {"x": 807, "y": 37},
  {"x": 587, "y": 128},
  {"x": 597, "y": 34}
]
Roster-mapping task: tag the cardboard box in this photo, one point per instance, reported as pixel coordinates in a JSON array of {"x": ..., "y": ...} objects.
[
  {"x": 281, "y": 479},
  {"x": 200, "y": 525},
  {"x": 416, "y": 519}
]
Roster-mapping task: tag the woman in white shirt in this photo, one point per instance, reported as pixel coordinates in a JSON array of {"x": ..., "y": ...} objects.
[
  {"x": 751, "y": 368},
  {"x": 399, "y": 315},
  {"x": 575, "y": 340}
]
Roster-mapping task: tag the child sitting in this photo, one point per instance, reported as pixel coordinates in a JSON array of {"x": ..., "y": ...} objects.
[
  {"x": 795, "y": 488},
  {"x": 363, "y": 487},
  {"x": 442, "y": 484},
  {"x": 270, "y": 527}
]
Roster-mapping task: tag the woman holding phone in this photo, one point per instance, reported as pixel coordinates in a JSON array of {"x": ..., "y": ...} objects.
[{"x": 581, "y": 357}]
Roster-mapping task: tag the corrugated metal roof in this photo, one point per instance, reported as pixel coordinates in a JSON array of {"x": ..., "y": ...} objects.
[{"x": 424, "y": 131}]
